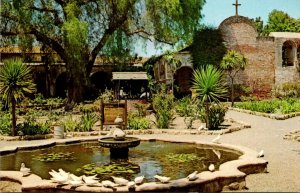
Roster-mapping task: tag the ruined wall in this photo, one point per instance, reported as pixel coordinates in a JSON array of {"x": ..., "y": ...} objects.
[
  {"x": 284, "y": 74},
  {"x": 240, "y": 34}
]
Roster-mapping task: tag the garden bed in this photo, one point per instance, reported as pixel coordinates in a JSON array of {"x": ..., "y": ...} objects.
[{"x": 274, "y": 109}]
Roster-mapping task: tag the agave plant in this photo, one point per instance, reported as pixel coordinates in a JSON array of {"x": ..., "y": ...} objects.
[
  {"x": 210, "y": 86},
  {"x": 15, "y": 81}
]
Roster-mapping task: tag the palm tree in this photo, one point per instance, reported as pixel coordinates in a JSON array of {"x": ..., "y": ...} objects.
[
  {"x": 210, "y": 86},
  {"x": 232, "y": 63},
  {"x": 15, "y": 81}
]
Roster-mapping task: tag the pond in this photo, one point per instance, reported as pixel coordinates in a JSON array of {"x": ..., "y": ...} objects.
[{"x": 175, "y": 160}]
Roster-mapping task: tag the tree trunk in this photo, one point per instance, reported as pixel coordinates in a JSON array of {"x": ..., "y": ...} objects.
[
  {"x": 13, "y": 116},
  {"x": 207, "y": 114},
  {"x": 78, "y": 83},
  {"x": 232, "y": 92}
]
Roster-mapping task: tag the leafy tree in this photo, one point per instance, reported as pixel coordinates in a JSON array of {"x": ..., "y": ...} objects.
[
  {"x": 79, "y": 30},
  {"x": 259, "y": 24},
  {"x": 207, "y": 40},
  {"x": 280, "y": 21},
  {"x": 210, "y": 86},
  {"x": 232, "y": 63},
  {"x": 15, "y": 81}
]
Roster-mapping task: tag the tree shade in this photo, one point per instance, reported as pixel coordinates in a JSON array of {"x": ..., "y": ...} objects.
[{"x": 79, "y": 30}]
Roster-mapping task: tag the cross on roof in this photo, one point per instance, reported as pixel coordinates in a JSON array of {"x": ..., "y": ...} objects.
[{"x": 236, "y": 4}]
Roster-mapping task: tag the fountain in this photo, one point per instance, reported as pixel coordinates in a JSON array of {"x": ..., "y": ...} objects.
[{"x": 119, "y": 144}]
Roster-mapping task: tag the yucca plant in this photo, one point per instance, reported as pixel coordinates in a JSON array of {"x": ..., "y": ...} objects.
[
  {"x": 15, "y": 81},
  {"x": 210, "y": 86}
]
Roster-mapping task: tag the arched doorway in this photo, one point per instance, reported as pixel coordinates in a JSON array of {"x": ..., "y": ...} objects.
[
  {"x": 61, "y": 85},
  {"x": 101, "y": 80},
  {"x": 183, "y": 81},
  {"x": 40, "y": 81},
  {"x": 288, "y": 53}
]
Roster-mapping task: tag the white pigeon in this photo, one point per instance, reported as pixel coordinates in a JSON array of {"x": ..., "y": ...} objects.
[
  {"x": 211, "y": 167},
  {"x": 54, "y": 174},
  {"x": 75, "y": 178},
  {"x": 91, "y": 182},
  {"x": 218, "y": 153},
  {"x": 131, "y": 184},
  {"x": 108, "y": 184},
  {"x": 120, "y": 181},
  {"x": 217, "y": 139},
  {"x": 25, "y": 171},
  {"x": 139, "y": 180},
  {"x": 193, "y": 176},
  {"x": 94, "y": 177},
  {"x": 201, "y": 127},
  {"x": 61, "y": 179},
  {"x": 75, "y": 183},
  {"x": 62, "y": 172},
  {"x": 162, "y": 179},
  {"x": 261, "y": 154}
]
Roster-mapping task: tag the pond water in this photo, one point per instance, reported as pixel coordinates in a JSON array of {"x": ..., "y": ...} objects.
[{"x": 175, "y": 160}]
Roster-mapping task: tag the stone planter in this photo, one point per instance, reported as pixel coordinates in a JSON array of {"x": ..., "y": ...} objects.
[{"x": 59, "y": 132}]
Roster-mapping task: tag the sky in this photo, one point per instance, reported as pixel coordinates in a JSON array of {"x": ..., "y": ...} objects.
[{"x": 215, "y": 11}]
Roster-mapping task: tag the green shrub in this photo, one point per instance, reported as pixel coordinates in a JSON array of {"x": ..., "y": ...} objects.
[
  {"x": 163, "y": 106},
  {"x": 216, "y": 116},
  {"x": 70, "y": 124},
  {"x": 141, "y": 108},
  {"x": 39, "y": 99},
  {"x": 183, "y": 107},
  {"x": 31, "y": 127},
  {"x": 137, "y": 122},
  {"x": 5, "y": 124},
  {"x": 87, "y": 121},
  {"x": 286, "y": 106}
]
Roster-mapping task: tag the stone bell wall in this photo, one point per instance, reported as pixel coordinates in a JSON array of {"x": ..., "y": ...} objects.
[{"x": 240, "y": 34}]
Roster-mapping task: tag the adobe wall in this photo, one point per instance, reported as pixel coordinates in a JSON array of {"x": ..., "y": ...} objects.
[
  {"x": 284, "y": 74},
  {"x": 240, "y": 34}
]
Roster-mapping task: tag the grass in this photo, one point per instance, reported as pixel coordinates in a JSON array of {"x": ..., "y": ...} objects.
[{"x": 277, "y": 106}]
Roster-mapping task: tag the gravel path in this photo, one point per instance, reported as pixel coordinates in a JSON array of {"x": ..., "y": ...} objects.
[{"x": 267, "y": 134}]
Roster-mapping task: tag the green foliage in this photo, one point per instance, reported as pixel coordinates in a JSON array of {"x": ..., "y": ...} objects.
[
  {"x": 52, "y": 157},
  {"x": 280, "y": 21},
  {"x": 287, "y": 90},
  {"x": 39, "y": 99},
  {"x": 87, "y": 121},
  {"x": 15, "y": 81},
  {"x": 182, "y": 158},
  {"x": 78, "y": 31},
  {"x": 207, "y": 40},
  {"x": 184, "y": 107},
  {"x": 259, "y": 24},
  {"x": 71, "y": 124},
  {"x": 141, "y": 108},
  {"x": 210, "y": 86},
  {"x": 285, "y": 106},
  {"x": 136, "y": 122},
  {"x": 31, "y": 127},
  {"x": 232, "y": 63},
  {"x": 163, "y": 106},
  {"x": 216, "y": 116},
  {"x": 5, "y": 123},
  {"x": 107, "y": 96}
]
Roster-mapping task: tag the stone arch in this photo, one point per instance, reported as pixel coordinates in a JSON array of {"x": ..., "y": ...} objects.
[
  {"x": 183, "y": 80},
  {"x": 101, "y": 80},
  {"x": 61, "y": 85},
  {"x": 289, "y": 53}
]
